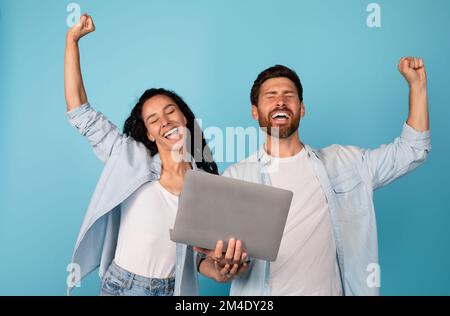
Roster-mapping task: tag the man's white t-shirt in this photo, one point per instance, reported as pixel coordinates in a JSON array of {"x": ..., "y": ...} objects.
[
  {"x": 144, "y": 246},
  {"x": 306, "y": 263}
]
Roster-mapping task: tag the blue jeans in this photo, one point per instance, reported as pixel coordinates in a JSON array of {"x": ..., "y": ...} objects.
[{"x": 120, "y": 282}]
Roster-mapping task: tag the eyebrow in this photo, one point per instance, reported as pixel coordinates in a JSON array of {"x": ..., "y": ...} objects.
[
  {"x": 153, "y": 114},
  {"x": 275, "y": 92}
]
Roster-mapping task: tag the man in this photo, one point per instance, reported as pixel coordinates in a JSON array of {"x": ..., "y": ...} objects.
[{"x": 330, "y": 238}]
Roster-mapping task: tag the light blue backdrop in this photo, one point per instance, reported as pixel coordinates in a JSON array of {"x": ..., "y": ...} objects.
[{"x": 210, "y": 52}]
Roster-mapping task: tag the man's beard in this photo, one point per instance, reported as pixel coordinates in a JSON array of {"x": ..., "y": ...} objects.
[{"x": 281, "y": 132}]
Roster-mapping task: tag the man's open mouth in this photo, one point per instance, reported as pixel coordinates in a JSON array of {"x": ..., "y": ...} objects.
[{"x": 280, "y": 116}]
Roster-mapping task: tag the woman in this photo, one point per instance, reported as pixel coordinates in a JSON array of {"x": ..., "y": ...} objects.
[{"x": 126, "y": 228}]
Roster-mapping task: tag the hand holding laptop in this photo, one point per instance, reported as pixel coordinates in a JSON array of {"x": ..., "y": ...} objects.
[{"x": 223, "y": 265}]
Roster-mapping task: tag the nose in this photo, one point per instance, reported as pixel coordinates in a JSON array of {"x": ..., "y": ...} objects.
[
  {"x": 164, "y": 121},
  {"x": 281, "y": 101}
]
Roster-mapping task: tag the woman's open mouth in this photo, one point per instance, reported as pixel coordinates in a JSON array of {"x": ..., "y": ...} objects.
[{"x": 173, "y": 134}]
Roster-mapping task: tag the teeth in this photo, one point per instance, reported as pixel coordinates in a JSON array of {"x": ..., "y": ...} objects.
[
  {"x": 280, "y": 115},
  {"x": 174, "y": 130}
]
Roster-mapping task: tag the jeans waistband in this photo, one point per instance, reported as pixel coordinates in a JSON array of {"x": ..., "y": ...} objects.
[{"x": 131, "y": 278}]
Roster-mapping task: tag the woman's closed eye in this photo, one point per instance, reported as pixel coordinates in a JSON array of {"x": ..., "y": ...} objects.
[{"x": 170, "y": 109}]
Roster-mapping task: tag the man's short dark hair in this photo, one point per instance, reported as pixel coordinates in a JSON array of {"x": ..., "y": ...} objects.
[{"x": 277, "y": 71}]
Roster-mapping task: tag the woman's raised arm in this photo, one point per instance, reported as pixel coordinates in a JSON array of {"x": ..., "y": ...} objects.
[{"x": 73, "y": 80}]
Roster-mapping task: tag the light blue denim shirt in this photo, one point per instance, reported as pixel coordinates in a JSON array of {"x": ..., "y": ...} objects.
[
  {"x": 348, "y": 176},
  {"x": 128, "y": 165}
]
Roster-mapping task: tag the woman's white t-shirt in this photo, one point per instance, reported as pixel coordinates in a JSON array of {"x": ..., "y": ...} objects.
[{"x": 144, "y": 246}]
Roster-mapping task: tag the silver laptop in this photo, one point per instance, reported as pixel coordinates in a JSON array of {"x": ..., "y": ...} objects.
[{"x": 213, "y": 208}]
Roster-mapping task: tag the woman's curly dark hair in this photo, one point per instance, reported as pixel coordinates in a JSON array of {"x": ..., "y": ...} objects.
[{"x": 135, "y": 127}]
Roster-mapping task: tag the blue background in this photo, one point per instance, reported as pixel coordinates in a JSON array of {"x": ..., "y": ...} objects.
[{"x": 210, "y": 52}]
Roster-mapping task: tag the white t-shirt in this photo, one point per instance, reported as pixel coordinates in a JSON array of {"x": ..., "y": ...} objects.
[
  {"x": 306, "y": 263},
  {"x": 144, "y": 246}
]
